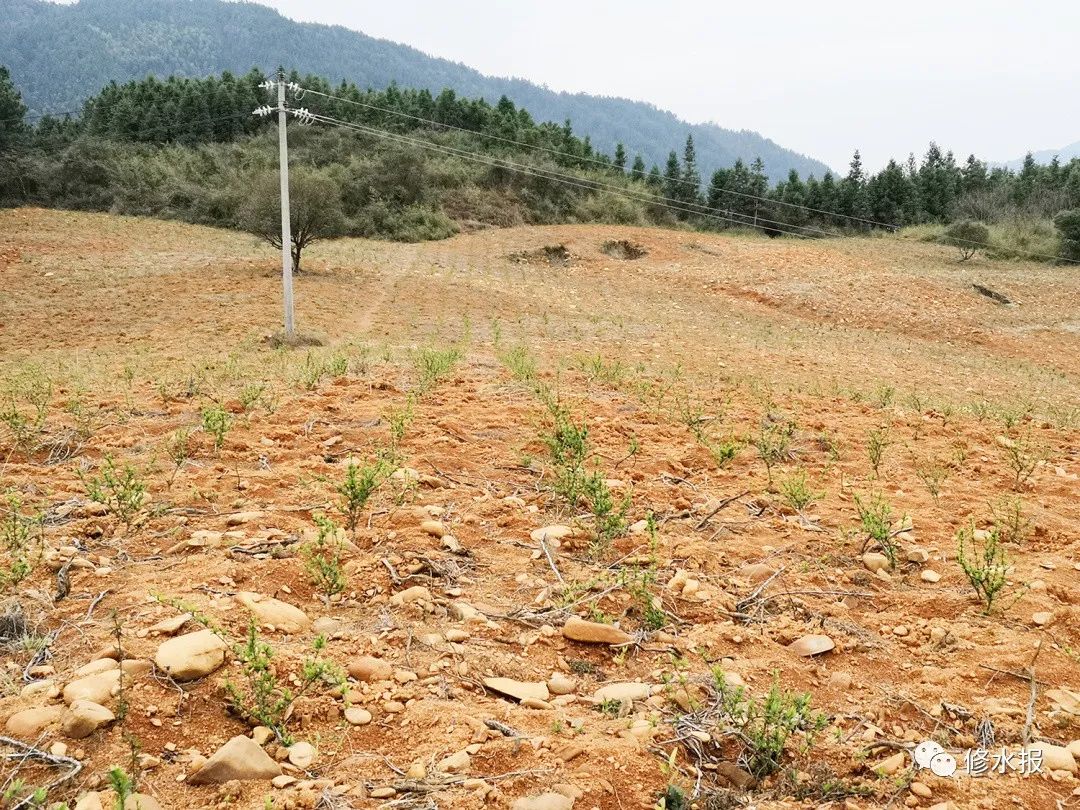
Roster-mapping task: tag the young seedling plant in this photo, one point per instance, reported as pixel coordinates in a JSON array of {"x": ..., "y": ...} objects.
[
  {"x": 122, "y": 491},
  {"x": 875, "y": 515},
  {"x": 359, "y": 485},
  {"x": 982, "y": 558},
  {"x": 322, "y": 558},
  {"x": 764, "y": 726}
]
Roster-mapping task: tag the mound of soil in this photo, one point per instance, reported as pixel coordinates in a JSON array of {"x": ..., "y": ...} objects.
[
  {"x": 624, "y": 249},
  {"x": 554, "y": 255}
]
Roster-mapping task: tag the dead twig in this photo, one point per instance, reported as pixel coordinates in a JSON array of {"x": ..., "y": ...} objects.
[
  {"x": 502, "y": 728},
  {"x": 393, "y": 574},
  {"x": 550, "y": 559},
  {"x": 26, "y": 752},
  {"x": 1029, "y": 718},
  {"x": 723, "y": 503}
]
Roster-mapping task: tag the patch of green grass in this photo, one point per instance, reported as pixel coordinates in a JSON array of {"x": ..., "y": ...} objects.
[
  {"x": 433, "y": 365},
  {"x": 797, "y": 491},
  {"x": 217, "y": 422},
  {"x": 521, "y": 364}
]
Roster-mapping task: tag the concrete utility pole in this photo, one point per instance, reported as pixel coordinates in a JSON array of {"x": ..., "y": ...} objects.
[
  {"x": 283, "y": 169},
  {"x": 286, "y": 222},
  {"x": 305, "y": 117}
]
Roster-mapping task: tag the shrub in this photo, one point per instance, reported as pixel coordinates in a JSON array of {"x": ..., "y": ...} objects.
[
  {"x": 358, "y": 486},
  {"x": 875, "y": 515},
  {"x": 521, "y": 364},
  {"x": 1010, "y": 521},
  {"x": 982, "y": 558},
  {"x": 796, "y": 491},
  {"x": 265, "y": 700},
  {"x": 435, "y": 364},
  {"x": 1068, "y": 225},
  {"x": 876, "y": 444},
  {"x": 216, "y": 421},
  {"x": 122, "y": 491},
  {"x": 400, "y": 419},
  {"x": 967, "y": 237},
  {"x": 764, "y": 726},
  {"x": 773, "y": 444},
  {"x": 322, "y": 558},
  {"x": 16, "y": 533}
]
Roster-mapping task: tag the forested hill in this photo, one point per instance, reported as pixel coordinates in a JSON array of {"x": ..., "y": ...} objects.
[{"x": 61, "y": 54}]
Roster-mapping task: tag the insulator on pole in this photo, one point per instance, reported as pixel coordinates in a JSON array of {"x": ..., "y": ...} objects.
[{"x": 304, "y": 116}]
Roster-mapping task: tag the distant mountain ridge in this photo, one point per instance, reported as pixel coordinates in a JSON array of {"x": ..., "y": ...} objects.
[
  {"x": 61, "y": 54},
  {"x": 1044, "y": 156}
]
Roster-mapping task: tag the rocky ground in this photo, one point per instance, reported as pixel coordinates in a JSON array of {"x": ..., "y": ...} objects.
[{"x": 682, "y": 527}]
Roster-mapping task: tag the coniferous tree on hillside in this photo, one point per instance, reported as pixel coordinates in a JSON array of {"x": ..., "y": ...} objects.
[
  {"x": 620, "y": 157},
  {"x": 13, "y": 128},
  {"x": 689, "y": 190},
  {"x": 637, "y": 170},
  {"x": 853, "y": 195},
  {"x": 672, "y": 177}
]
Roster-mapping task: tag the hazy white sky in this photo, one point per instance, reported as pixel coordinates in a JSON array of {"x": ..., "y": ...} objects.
[{"x": 994, "y": 77}]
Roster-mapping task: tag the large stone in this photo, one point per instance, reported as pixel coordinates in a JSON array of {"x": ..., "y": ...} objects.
[
  {"x": 543, "y": 801},
  {"x": 417, "y": 593},
  {"x": 30, "y": 723},
  {"x": 560, "y": 684},
  {"x": 578, "y": 629},
  {"x": 549, "y": 533},
  {"x": 171, "y": 625},
  {"x": 141, "y": 801},
  {"x": 811, "y": 645},
  {"x": 433, "y": 527},
  {"x": 875, "y": 561},
  {"x": 269, "y": 611},
  {"x": 520, "y": 690},
  {"x": 240, "y": 758},
  {"x": 622, "y": 691},
  {"x": 96, "y": 666},
  {"x": 1055, "y": 757},
  {"x": 83, "y": 718},
  {"x": 366, "y": 668},
  {"x": 191, "y": 656},
  {"x": 458, "y": 762},
  {"x": 302, "y": 754},
  {"x": 357, "y": 716},
  {"x": 892, "y": 764},
  {"x": 89, "y": 801},
  {"x": 97, "y": 688}
]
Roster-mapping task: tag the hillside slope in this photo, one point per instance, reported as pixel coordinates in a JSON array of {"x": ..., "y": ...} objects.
[
  {"x": 462, "y": 604},
  {"x": 1044, "y": 156},
  {"x": 59, "y": 55}
]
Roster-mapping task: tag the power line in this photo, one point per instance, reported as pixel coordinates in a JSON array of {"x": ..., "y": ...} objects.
[
  {"x": 585, "y": 183},
  {"x": 593, "y": 185},
  {"x": 305, "y": 90}
]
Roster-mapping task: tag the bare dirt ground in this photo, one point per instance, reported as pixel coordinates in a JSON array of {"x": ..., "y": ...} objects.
[{"x": 119, "y": 336}]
